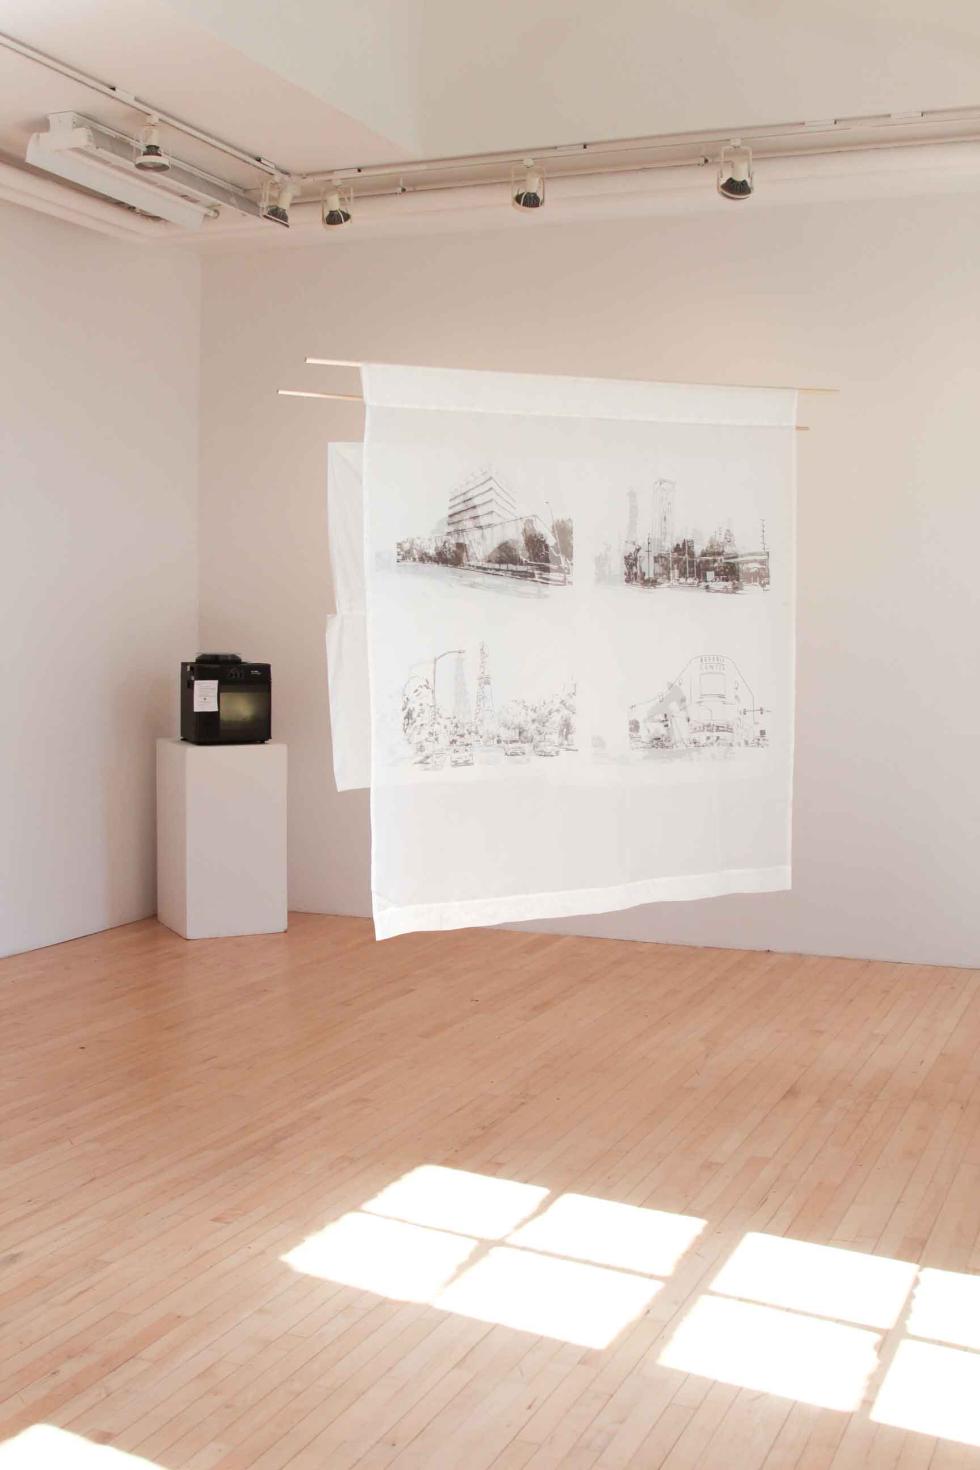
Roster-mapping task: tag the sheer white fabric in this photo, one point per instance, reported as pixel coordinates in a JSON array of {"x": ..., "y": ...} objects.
[
  {"x": 580, "y": 643},
  {"x": 347, "y": 655}
]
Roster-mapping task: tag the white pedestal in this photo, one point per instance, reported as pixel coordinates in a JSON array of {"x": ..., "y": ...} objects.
[{"x": 221, "y": 838}]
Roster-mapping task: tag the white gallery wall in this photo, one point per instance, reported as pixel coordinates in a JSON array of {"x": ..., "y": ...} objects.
[
  {"x": 878, "y": 298},
  {"x": 98, "y": 564}
]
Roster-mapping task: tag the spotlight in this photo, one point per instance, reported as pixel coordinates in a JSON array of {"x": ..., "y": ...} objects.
[
  {"x": 735, "y": 171},
  {"x": 336, "y": 208},
  {"x": 529, "y": 192},
  {"x": 151, "y": 157},
  {"x": 276, "y": 201}
]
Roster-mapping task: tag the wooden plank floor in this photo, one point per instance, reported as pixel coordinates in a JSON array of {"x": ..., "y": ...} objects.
[{"x": 178, "y": 1119}]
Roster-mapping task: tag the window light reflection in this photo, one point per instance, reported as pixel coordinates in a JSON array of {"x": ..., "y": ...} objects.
[
  {"x": 932, "y": 1390},
  {"x": 44, "y": 1447},
  {"x": 804, "y": 1358},
  {"x": 453, "y": 1199},
  {"x": 404, "y": 1262},
  {"x": 587, "y": 1305},
  {"x": 785, "y": 1317},
  {"x": 824, "y": 1280},
  {"x": 946, "y": 1306},
  {"x": 611, "y": 1234}
]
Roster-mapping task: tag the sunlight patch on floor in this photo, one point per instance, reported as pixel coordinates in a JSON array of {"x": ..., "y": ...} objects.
[
  {"x": 43, "y": 1447},
  {"x": 932, "y": 1390},
  {"x": 785, "y": 1317},
  {"x": 407, "y": 1263},
  {"x": 946, "y": 1306},
  {"x": 580, "y": 1272},
  {"x": 550, "y": 1297},
  {"x": 809, "y": 1359},
  {"x": 610, "y": 1234},
  {"x": 820, "y": 1279},
  {"x": 453, "y": 1199}
]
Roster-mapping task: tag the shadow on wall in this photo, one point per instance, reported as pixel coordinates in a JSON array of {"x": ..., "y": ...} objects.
[{"x": 129, "y": 833}]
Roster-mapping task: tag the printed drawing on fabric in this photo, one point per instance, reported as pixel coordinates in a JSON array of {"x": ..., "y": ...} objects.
[
  {"x": 559, "y": 724},
  {"x": 455, "y": 713},
  {"x": 659, "y": 548},
  {"x": 486, "y": 532},
  {"x": 707, "y": 709}
]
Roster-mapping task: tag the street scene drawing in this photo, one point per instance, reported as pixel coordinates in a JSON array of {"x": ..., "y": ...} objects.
[
  {"x": 485, "y": 531},
  {"x": 445, "y": 726},
  {"x": 708, "y": 706},
  {"x": 659, "y": 550}
]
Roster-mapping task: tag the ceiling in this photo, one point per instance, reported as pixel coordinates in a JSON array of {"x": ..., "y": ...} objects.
[
  {"x": 148, "y": 48},
  {"x": 313, "y": 85},
  {"x": 525, "y": 72}
]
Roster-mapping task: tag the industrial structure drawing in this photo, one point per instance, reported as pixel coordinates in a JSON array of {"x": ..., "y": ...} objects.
[
  {"x": 657, "y": 553},
  {"x": 444, "y": 727},
  {"x": 484, "y": 531},
  {"x": 708, "y": 705}
]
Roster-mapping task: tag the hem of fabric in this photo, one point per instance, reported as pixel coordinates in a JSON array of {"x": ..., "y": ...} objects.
[{"x": 391, "y": 920}]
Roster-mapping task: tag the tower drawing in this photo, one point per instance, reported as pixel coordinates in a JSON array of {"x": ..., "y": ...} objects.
[
  {"x": 461, "y": 703},
  {"x": 663, "y": 515},
  {"x": 483, "y": 713}
]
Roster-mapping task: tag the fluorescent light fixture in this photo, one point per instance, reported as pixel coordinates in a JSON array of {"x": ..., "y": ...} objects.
[
  {"x": 109, "y": 163},
  {"x": 56, "y": 155}
]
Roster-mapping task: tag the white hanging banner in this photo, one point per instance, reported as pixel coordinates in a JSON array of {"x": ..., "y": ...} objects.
[
  {"x": 580, "y": 642},
  {"x": 347, "y": 656}
]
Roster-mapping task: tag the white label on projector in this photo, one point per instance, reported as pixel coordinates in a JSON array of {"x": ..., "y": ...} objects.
[{"x": 205, "y": 695}]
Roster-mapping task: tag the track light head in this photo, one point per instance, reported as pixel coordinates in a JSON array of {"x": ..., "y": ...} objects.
[
  {"x": 275, "y": 204},
  {"x": 735, "y": 180},
  {"x": 336, "y": 208},
  {"x": 150, "y": 157},
  {"x": 529, "y": 191}
]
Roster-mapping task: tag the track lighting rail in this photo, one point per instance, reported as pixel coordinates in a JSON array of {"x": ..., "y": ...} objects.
[
  {"x": 333, "y": 187},
  {"x": 835, "y": 135},
  {"x": 155, "y": 114}
]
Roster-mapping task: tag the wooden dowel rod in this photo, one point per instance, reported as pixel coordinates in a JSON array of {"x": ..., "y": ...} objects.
[
  {"x": 356, "y": 398},
  {"x": 304, "y": 393},
  {"x": 780, "y": 387}
]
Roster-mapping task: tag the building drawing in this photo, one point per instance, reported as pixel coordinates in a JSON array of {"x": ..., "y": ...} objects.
[
  {"x": 658, "y": 554},
  {"x": 708, "y": 704},
  {"x": 442, "y": 730},
  {"x": 663, "y": 514},
  {"x": 478, "y": 502},
  {"x": 484, "y": 531},
  {"x": 483, "y": 712},
  {"x": 461, "y": 700}
]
